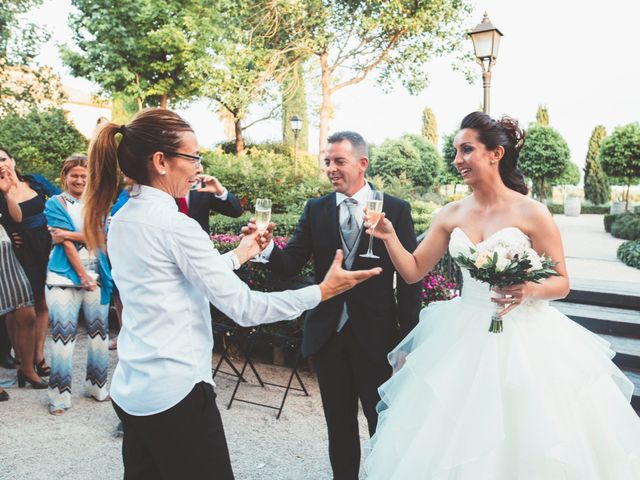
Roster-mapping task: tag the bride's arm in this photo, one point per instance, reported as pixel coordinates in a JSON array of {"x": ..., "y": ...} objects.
[
  {"x": 414, "y": 266},
  {"x": 545, "y": 239}
]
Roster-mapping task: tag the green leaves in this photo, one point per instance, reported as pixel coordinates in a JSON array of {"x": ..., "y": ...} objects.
[
  {"x": 620, "y": 153},
  {"x": 544, "y": 156}
]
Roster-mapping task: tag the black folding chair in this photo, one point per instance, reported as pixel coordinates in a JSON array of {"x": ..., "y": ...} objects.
[{"x": 292, "y": 343}]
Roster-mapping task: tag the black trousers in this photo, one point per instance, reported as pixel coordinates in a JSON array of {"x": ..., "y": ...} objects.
[
  {"x": 347, "y": 372},
  {"x": 185, "y": 442}
]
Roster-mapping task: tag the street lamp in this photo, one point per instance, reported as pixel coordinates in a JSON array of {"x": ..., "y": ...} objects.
[
  {"x": 296, "y": 126},
  {"x": 486, "y": 40}
]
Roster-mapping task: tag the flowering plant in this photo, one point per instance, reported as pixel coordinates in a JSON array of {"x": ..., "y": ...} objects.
[
  {"x": 503, "y": 266},
  {"x": 436, "y": 288}
]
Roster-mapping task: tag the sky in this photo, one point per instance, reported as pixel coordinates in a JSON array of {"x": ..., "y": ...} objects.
[{"x": 578, "y": 58}]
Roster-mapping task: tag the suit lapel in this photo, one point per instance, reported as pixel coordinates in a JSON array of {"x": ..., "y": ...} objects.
[{"x": 331, "y": 226}]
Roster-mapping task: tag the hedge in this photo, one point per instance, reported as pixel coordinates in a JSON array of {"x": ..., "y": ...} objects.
[
  {"x": 629, "y": 253},
  {"x": 626, "y": 226}
]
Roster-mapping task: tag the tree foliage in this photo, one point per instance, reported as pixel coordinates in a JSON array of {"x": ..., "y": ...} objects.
[
  {"x": 570, "y": 175},
  {"x": 449, "y": 175},
  {"x": 24, "y": 85},
  {"x": 294, "y": 102},
  {"x": 596, "y": 183},
  {"x": 394, "y": 158},
  {"x": 427, "y": 172},
  {"x": 544, "y": 157},
  {"x": 353, "y": 40},
  {"x": 140, "y": 49},
  {"x": 430, "y": 126},
  {"x": 620, "y": 155},
  {"x": 41, "y": 140}
]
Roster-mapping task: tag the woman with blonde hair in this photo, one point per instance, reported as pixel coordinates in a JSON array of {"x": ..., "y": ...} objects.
[
  {"x": 168, "y": 271},
  {"x": 77, "y": 279}
]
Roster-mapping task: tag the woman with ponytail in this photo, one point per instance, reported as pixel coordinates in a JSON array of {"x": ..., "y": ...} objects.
[
  {"x": 466, "y": 403},
  {"x": 168, "y": 271}
]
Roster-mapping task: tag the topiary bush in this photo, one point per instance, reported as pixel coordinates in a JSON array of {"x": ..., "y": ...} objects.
[
  {"x": 41, "y": 140},
  {"x": 427, "y": 173},
  {"x": 394, "y": 158},
  {"x": 608, "y": 221},
  {"x": 626, "y": 226},
  {"x": 629, "y": 253}
]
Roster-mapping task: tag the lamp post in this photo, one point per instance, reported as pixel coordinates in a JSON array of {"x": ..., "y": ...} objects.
[
  {"x": 486, "y": 41},
  {"x": 296, "y": 126}
]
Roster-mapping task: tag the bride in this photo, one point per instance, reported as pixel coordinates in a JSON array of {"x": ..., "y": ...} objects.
[{"x": 540, "y": 401}]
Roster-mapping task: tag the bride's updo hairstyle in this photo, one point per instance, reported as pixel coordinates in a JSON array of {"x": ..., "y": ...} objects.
[{"x": 506, "y": 133}]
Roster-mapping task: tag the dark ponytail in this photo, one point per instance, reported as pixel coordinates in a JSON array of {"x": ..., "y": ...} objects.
[
  {"x": 505, "y": 133},
  {"x": 128, "y": 148}
]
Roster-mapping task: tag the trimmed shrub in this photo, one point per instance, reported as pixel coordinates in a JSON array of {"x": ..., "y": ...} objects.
[
  {"x": 285, "y": 223},
  {"x": 558, "y": 209},
  {"x": 394, "y": 158},
  {"x": 629, "y": 253},
  {"x": 627, "y": 226},
  {"x": 41, "y": 140},
  {"x": 608, "y": 221},
  {"x": 427, "y": 173}
]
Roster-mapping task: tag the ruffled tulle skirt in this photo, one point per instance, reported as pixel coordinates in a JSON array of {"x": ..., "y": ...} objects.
[{"x": 540, "y": 401}]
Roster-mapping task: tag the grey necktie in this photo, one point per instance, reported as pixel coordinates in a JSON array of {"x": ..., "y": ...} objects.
[{"x": 349, "y": 227}]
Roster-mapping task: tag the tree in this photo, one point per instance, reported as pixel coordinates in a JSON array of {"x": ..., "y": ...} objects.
[
  {"x": 394, "y": 158},
  {"x": 427, "y": 172},
  {"x": 570, "y": 175},
  {"x": 294, "y": 102},
  {"x": 24, "y": 85},
  {"x": 542, "y": 115},
  {"x": 544, "y": 157},
  {"x": 429, "y": 126},
  {"x": 596, "y": 183},
  {"x": 449, "y": 175},
  {"x": 620, "y": 156},
  {"x": 41, "y": 140},
  {"x": 140, "y": 49},
  {"x": 353, "y": 40}
]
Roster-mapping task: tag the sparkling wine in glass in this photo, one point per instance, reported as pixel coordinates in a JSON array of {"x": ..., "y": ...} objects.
[
  {"x": 374, "y": 210},
  {"x": 263, "y": 217}
]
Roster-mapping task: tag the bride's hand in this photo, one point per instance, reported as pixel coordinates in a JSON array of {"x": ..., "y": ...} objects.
[
  {"x": 383, "y": 229},
  {"x": 515, "y": 296}
]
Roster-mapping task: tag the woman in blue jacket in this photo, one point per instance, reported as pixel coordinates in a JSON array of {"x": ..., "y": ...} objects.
[{"x": 76, "y": 279}]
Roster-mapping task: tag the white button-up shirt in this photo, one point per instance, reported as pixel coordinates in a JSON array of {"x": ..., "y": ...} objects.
[{"x": 167, "y": 272}]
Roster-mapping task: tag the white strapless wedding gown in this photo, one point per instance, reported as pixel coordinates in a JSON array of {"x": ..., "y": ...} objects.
[{"x": 540, "y": 401}]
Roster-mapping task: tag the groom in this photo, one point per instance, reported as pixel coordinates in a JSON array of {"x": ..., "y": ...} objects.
[{"x": 350, "y": 335}]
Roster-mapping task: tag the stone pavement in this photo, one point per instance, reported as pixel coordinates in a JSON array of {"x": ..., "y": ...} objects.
[{"x": 590, "y": 253}]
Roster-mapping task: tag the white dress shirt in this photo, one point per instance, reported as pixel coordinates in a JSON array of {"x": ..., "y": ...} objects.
[{"x": 168, "y": 271}]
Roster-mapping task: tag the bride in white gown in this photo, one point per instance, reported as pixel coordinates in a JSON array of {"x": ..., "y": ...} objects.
[{"x": 540, "y": 401}]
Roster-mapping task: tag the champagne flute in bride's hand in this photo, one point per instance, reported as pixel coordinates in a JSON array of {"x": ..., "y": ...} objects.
[
  {"x": 374, "y": 211},
  {"x": 263, "y": 217}
]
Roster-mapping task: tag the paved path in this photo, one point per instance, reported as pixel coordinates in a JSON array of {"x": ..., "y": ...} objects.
[{"x": 591, "y": 256}]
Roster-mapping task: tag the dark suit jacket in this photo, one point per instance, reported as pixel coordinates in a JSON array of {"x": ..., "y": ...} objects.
[
  {"x": 201, "y": 203},
  {"x": 375, "y": 317}
]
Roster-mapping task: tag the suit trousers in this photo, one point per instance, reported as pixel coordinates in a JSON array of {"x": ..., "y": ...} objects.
[
  {"x": 186, "y": 441},
  {"x": 346, "y": 373}
]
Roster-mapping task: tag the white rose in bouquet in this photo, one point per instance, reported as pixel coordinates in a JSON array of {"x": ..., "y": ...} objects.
[{"x": 534, "y": 258}]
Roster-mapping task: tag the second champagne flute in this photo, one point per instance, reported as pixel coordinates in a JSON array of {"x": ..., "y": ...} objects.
[
  {"x": 263, "y": 217},
  {"x": 374, "y": 211}
]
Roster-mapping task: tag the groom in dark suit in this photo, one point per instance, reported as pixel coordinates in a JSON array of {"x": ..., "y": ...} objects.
[{"x": 350, "y": 335}]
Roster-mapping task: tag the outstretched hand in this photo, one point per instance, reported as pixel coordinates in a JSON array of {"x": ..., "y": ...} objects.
[{"x": 338, "y": 280}]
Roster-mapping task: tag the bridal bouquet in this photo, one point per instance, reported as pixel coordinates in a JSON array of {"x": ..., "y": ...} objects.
[{"x": 503, "y": 266}]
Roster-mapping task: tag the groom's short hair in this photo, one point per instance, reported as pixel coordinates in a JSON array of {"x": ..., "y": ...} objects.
[{"x": 355, "y": 139}]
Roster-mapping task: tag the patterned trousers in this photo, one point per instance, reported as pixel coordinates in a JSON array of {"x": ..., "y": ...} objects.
[{"x": 64, "y": 309}]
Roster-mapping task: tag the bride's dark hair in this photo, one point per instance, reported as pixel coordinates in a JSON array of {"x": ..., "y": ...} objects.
[{"x": 506, "y": 133}]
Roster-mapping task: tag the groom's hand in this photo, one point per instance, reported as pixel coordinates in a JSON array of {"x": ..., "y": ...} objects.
[{"x": 338, "y": 280}]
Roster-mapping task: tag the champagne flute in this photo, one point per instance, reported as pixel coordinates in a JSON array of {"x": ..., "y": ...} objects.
[
  {"x": 374, "y": 211},
  {"x": 263, "y": 217}
]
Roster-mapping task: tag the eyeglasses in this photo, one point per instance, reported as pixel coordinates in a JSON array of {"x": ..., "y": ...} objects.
[{"x": 196, "y": 159}]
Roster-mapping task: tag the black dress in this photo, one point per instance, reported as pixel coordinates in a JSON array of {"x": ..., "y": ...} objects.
[{"x": 34, "y": 252}]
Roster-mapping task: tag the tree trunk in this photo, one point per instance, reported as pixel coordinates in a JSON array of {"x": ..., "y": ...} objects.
[
  {"x": 163, "y": 101},
  {"x": 239, "y": 139},
  {"x": 325, "y": 109},
  {"x": 626, "y": 205}
]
